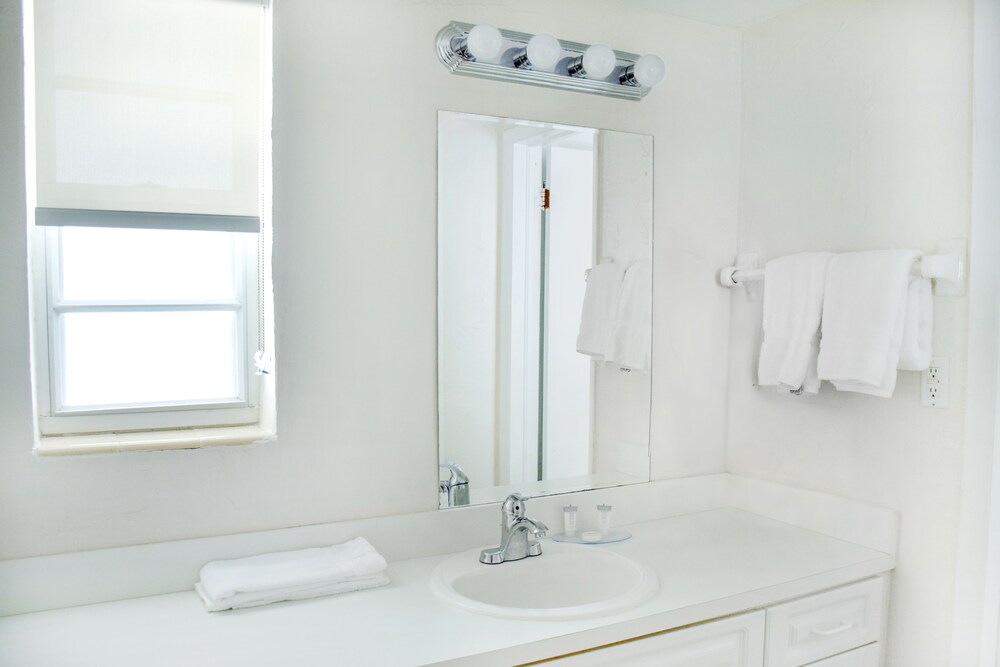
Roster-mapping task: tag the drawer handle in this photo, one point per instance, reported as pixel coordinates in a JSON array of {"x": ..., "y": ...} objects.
[{"x": 836, "y": 630}]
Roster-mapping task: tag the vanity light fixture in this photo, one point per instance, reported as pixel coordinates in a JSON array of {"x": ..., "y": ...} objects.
[
  {"x": 481, "y": 42},
  {"x": 648, "y": 70},
  {"x": 542, "y": 60},
  {"x": 597, "y": 62},
  {"x": 542, "y": 52}
]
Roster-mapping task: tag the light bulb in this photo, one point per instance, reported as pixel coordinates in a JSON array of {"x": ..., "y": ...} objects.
[
  {"x": 484, "y": 42},
  {"x": 598, "y": 61},
  {"x": 543, "y": 51},
  {"x": 649, "y": 70}
]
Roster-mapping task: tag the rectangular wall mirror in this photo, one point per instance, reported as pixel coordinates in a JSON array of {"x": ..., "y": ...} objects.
[{"x": 544, "y": 307}]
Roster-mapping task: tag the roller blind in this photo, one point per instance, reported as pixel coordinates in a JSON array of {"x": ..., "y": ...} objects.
[{"x": 147, "y": 113}]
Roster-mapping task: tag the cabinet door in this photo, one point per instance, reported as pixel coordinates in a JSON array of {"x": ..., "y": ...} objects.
[{"x": 737, "y": 641}]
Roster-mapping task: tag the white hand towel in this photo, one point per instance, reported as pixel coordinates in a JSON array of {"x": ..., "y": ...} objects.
[
  {"x": 915, "y": 349},
  {"x": 864, "y": 312},
  {"x": 793, "y": 304},
  {"x": 257, "y": 599},
  {"x": 291, "y": 575},
  {"x": 600, "y": 309},
  {"x": 632, "y": 336}
]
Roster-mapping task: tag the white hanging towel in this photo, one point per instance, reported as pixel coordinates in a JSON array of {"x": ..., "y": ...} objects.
[
  {"x": 864, "y": 315},
  {"x": 600, "y": 310},
  {"x": 793, "y": 304},
  {"x": 915, "y": 349},
  {"x": 291, "y": 575},
  {"x": 632, "y": 336}
]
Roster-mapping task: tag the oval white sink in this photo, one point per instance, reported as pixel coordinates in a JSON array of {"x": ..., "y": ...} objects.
[{"x": 566, "y": 581}]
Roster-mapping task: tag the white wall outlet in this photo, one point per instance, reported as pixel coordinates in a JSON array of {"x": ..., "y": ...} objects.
[{"x": 934, "y": 384}]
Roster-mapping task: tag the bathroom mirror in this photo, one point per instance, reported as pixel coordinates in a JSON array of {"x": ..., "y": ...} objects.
[{"x": 544, "y": 307}]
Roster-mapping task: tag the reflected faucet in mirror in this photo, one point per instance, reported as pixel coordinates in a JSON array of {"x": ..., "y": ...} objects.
[
  {"x": 531, "y": 393},
  {"x": 454, "y": 490}
]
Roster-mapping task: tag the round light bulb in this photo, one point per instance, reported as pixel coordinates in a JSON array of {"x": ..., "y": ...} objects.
[
  {"x": 484, "y": 42},
  {"x": 543, "y": 51},
  {"x": 599, "y": 61},
  {"x": 649, "y": 70}
]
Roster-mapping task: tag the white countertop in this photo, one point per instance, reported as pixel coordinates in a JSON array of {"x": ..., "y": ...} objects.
[{"x": 709, "y": 564}]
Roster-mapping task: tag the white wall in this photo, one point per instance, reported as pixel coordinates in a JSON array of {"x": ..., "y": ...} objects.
[
  {"x": 357, "y": 89},
  {"x": 856, "y": 136}
]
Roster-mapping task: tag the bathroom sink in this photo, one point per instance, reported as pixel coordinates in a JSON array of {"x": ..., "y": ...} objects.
[{"x": 566, "y": 581}]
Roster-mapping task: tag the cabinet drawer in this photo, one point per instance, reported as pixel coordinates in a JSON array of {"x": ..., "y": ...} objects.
[
  {"x": 823, "y": 625},
  {"x": 866, "y": 656},
  {"x": 731, "y": 642}
]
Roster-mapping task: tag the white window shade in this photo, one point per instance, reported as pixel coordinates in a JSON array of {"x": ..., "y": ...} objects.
[{"x": 148, "y": 113}]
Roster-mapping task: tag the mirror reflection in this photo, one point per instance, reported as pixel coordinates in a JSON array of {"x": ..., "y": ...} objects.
[{"x": 544, "y": 307}]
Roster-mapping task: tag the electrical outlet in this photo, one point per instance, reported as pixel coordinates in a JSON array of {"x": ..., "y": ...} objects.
[{"x": 934, "y": 384}]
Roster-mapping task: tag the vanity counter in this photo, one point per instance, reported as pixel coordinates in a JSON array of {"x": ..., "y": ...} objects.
[{"x": 710, "y": 564}]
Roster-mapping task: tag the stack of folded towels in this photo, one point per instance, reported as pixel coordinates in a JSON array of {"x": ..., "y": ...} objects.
[
  {"x": 617, "y": 319},
  {"x": 291, "y": 575},
  {"x": 853, "y": 319}
]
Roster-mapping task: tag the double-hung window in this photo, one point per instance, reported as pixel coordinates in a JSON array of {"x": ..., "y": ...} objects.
[{"x": 147, "y": 162}]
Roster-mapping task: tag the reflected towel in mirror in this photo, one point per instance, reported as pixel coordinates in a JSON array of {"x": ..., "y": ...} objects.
[
  {"x": 632, "y": 335},
  {"x": 600, "y": 310}
]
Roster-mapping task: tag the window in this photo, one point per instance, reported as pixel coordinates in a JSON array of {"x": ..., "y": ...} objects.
[
  {"x": 142, "y": 320},
  {"x": 149, "y": 185}
]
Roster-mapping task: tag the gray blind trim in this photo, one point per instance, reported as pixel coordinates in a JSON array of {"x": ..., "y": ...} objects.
[{"x": 77, "y": 217}]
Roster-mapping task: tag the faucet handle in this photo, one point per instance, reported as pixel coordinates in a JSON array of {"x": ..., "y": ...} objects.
[{"x": 514, "y": 506}]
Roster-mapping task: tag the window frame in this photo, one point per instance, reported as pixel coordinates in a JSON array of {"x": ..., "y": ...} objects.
[{"x": 56, "y": 420}]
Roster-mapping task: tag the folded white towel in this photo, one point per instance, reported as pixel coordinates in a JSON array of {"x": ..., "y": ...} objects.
[
  {"x": 864, "y": 312},
  {"x": 600, "y": 306},
  {"x": 793, "y": 304},
  {"x": 915, "y": 348},
  {"x": 291, "y": 575},
  {"x": 632, "y": 335},
  {"x": 244, "y": 600}
]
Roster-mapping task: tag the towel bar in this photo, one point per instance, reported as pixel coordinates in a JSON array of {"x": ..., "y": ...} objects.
[{"x": 947, "y": 268}]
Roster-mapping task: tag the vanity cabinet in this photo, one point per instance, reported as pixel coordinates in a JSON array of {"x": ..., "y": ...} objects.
[
  {"x": 737, "y": 641},
  {"x": 866, "y": 656},
  {"x": 803, "y": 631},
  {"x": 835, "y": 628}
]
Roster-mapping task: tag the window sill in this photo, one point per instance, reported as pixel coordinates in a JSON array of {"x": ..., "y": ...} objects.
[{"x": 147, "y": 441}]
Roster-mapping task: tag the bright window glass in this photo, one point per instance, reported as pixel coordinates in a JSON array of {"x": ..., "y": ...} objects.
[
  {"x": 119, "y": 359},
  {"x": 145, "y": 318},
  {"x": 98, "y": 263}
]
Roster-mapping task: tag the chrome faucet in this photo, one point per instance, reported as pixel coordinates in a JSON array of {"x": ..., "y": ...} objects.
[
  {"x": 514, "y": 528},
  {"x": 456, "y": 487}
]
